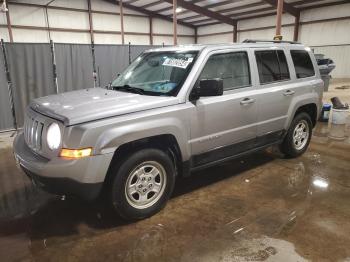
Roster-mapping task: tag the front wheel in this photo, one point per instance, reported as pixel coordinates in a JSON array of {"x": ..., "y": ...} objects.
[
  {"x": 143, "y": 184},
  {"x": 298, "y": 136}
]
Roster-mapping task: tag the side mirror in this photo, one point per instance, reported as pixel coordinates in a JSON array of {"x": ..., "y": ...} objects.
[
  {"x": 208, "y": 87},
  {"x": 211, "y": 87}
]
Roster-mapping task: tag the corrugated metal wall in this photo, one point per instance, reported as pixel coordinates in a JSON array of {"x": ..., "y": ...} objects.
[
  {"x": 6, "y": 120},
  {"x": 31, "y": 71},
  {"x": 30, "y": 68},
  {"x": 74, "y": 67},
  {"x": 110, "y": 60},
  {"x": 107, "y": 24},
  {"x": 340, "y": 55}
]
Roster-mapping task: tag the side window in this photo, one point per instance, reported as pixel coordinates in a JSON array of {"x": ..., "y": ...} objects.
[
  {"x": 232, "y": 68},
  {"x": 302, "y": 63},
  {"x": 272, "y": 66}
]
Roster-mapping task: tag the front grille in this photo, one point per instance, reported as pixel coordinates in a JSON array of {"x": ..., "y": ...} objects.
[{"x": 33, "y": 130}]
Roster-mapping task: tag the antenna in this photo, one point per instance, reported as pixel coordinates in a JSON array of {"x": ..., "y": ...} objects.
[{"x": 3, "y": 7}]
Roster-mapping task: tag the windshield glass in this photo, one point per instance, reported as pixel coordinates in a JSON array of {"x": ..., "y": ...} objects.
[{"x": 156, "y": 73}]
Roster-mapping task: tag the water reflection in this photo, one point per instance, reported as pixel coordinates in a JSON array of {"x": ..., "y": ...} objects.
[{"x": 320, "y": 182}]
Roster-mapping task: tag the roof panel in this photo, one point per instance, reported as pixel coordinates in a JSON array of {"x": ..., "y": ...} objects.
[
  {"x": 315, "y": 3},
  {"x": 235, "y": 4},
  {"x": 236, "y": 9},
  {"x": 189, "y": 14},
  {"x": 160, "y": 6},
  {"x": 257, "y": 13},
  {"x": 143, "y": 2},
  {"x": 251, "y": 10}
]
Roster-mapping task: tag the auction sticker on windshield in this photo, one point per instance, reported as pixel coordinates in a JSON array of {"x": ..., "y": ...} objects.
[{"x": 175, "y": 62}]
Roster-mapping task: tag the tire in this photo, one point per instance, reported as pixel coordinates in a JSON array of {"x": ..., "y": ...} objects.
[
  {"x": 144, "y": 172},
  {"x": 293, "y": 144}
]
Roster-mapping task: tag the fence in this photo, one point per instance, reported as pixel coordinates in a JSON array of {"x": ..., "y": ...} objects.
[{"x": 36, "y": 70}]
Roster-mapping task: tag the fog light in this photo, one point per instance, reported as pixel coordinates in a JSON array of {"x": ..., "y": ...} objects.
[{"x": 75, "y": 153}]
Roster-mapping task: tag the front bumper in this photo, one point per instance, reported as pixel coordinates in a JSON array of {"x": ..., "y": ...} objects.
[{"x": 82, "y": 177}]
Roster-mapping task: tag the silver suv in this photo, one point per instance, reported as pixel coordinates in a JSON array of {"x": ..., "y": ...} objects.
[{"x": 172, "y": 111}]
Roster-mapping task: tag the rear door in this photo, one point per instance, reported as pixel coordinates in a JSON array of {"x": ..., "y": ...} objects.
[
  {"x": 275, "y": 92},
  {"x": 307, "y": 79}
]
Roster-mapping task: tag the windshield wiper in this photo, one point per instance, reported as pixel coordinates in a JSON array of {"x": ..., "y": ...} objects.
[{"x": 128, "y": 88}]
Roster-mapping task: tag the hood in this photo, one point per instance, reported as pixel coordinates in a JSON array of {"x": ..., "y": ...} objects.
[{"x": 96, "y": 103}]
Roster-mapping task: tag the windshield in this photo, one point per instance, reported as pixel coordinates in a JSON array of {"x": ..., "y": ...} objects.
[{"x": 156, "y": 73}]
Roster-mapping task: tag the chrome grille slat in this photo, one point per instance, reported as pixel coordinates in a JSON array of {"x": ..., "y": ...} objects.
[
  {"x": 35, "y": 134},
  {"x": 28, "y": 130},
  {"x": 33, "y": 130},
  {"x": 25, "y": 129},
  {"x": 40, "y": 135}
]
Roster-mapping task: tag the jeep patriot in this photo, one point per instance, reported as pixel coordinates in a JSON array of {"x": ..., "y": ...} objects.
[{"x": 172, "y": 111}]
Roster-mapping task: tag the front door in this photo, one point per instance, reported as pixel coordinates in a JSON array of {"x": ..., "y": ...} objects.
[{"x": 225, "y": 125}]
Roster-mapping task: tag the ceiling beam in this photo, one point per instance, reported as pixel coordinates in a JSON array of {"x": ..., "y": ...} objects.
[
  {"x": 131, "y": 1},
  {"x": 286, "y": 7},
  {"x": 205, "y": 12},
  {"x": 149, "y": 13}
]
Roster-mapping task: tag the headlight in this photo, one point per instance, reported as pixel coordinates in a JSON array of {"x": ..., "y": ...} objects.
[{"x": 53, "y": 136}]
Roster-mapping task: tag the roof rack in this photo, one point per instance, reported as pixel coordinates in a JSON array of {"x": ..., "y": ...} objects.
[{"x": 268, "y": 41}]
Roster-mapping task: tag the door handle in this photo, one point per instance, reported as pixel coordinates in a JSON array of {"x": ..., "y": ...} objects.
[
  {"x": 247, "y": 101},
  {"x": 289, "y": 93}
]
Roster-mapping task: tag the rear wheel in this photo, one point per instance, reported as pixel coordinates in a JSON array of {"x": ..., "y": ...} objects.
[
  {"x": 298, "y": 136},
  {"x": 143, "y": 184}
]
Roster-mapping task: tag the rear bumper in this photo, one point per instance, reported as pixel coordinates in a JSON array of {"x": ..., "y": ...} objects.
[{"x": 82, "y": 178}]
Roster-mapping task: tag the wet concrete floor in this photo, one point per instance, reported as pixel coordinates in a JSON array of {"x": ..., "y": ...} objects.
[{"x": 257, "y": 208}]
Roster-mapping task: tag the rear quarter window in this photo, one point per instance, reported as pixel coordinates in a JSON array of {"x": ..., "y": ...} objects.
[
  {"x": 272, "y": 66},
  {"x": 302, "y": 63}
]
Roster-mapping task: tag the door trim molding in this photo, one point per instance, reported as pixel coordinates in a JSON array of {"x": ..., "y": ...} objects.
[{"x": 225, "y": 153}]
